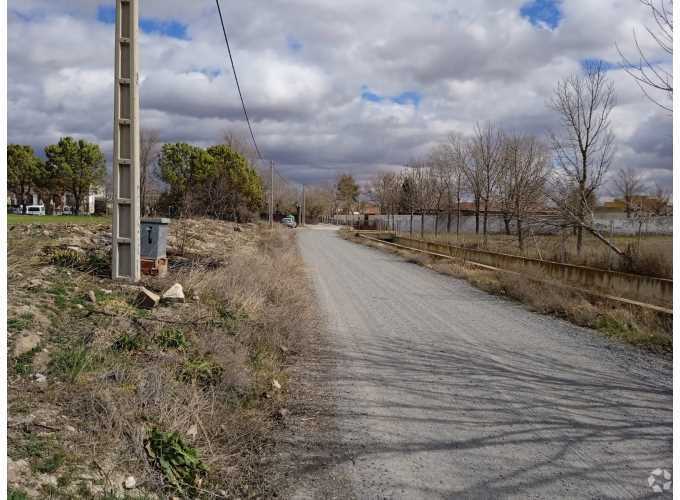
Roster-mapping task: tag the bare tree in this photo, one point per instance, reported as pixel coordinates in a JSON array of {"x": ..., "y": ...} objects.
[
  {"x": 583, "y": 152},
  {"x": 526, "y": 167},
  {"x": 440, "y": 162},
  {"x": 385, "y": 189},
  {"x": 149, "y": 149},
  {"x": 486, "y": 153},
  {"x": 646, "y": 73},
  {"x": 628, "y": 185}
]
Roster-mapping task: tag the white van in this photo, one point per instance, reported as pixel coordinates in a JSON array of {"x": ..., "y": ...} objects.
[{"x": 35, "y": 210}]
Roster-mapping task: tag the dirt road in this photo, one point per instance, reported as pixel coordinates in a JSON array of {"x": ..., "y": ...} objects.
[{"x": 442, "y": 391}]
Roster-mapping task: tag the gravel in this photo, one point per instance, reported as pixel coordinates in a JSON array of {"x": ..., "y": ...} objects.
[{"x": 440, "y": 390}]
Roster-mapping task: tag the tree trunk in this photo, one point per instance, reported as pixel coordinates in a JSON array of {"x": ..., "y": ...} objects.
[
  {"x": 76, "y": 202},
  {"x": 477, "y": 217},
  {"x": 436, "y": 224},
  {"x": 506, "y": 221},
  {"x": 520, "y": 235},
  {"x": 422, "y": 224},
  {"x": 410, "y": 230}
]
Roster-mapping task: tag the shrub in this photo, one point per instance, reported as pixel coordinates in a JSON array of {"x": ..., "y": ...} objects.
[
  {"x": 178, "y": 462},
  {"x": 66, "y": 257}
]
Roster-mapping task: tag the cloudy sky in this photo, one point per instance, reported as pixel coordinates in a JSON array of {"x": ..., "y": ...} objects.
[{"x": 332, "y": 86}]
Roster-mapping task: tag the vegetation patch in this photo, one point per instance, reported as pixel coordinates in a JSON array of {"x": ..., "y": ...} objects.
[
  {"x": 202, "y": 371},
  {"x": 128, "y": 342},
  {"x": 70, "y": 363},
  {"x": 179, "y": 463},
  {"x": 172, "y": 338}
]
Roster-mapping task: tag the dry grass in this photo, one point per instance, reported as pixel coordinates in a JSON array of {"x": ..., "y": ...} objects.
[
  {"x": 653, "y": 256},
  {"x": 114, "y": 376},
  {"x": 645, "y": 329}
]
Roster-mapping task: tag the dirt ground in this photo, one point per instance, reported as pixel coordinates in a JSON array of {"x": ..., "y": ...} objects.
[{"x": 108, "y": 399}]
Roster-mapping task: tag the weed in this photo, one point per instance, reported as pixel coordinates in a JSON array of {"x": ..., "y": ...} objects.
[
  {"x": 49, "y": 463},
  {"x": 20, "y": 323},
  {"x": 16, "y": 494},
  {"x": 71, "y": 363},
  {"x": 178, "y": 462},
  {"x": 202, "y": 371},
  {"x": 66, "y": 257},
  {"x": 172, "y": 338},
  {"x": 60, "y": 293},
  {"x": 127, "y": 342},
  {"x": 24, "y": 363}
]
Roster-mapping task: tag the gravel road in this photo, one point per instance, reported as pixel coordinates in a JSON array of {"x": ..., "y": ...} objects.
[{"x": 440, "y": 390}]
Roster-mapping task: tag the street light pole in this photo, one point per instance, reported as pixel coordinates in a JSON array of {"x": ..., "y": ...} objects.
[{"x": 125, "y": 263}]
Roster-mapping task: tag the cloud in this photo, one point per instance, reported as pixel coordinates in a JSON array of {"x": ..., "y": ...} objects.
[{"x": 356, "y": 86}]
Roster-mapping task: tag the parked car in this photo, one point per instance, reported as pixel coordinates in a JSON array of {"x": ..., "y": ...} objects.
[
  {"x": 35, "y": 210},
  {"x": 289, "y": 221},
  {"x": 67, "y": 211}
]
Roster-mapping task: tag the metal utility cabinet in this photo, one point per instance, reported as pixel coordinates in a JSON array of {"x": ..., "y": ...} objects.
[{"x": 154, "y": 240}]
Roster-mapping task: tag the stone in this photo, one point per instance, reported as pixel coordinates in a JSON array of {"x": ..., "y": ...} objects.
[
  {"x": 130, "y": 482},
  {"x": 195, "y": 298},
  {"x": 40, "y": 378},
  {"x": 106, "y": 291},
  {"x": 193, "y": 430},
  {"x": 283, "y": 412},
  {"x": 173, "y": 294},
  {"x": 26, "y": 343},
  {"x": 237, "y": 228},
  {"x": 69, "y": 428},
  {"x": 15, "y": 470},
  {"x": 276, "y": 385},
  {"x": 80, "y": 306},
  {"x": 146, "y": 299},
  {"x": 92, "y": 297}
]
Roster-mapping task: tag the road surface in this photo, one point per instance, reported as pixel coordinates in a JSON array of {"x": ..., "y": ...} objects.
[{"x": 443, "y": 391}]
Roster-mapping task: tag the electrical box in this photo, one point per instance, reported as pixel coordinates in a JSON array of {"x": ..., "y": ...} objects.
[{"x": 153, "y": 236}]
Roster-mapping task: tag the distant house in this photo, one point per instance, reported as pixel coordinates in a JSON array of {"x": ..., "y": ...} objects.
[{"x": 647, "y": 204}]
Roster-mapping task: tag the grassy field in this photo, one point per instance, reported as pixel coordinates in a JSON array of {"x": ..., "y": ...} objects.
[
  {"x": 57, "y": 219},
  {"x": 654, "y": 256}
]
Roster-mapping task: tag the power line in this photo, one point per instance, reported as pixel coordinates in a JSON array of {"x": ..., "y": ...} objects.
[{"x": 238, "y": 87}]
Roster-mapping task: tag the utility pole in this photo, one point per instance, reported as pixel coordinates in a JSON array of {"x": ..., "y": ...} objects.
[
  {"x": 303, "y": 206},
  {"x": 271, "y": 194},
  {"x": 125, "y": 263}
]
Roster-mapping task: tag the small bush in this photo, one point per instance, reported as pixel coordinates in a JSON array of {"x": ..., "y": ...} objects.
[
  {"x": 172, "y": 338},
  {"x": 202, "y": 371},
  {"x": 71, "y": 363},
  {"x": 49, "y": 463},
  {"x": 14, "y": 494},
  {"x": 178, "y": 462},
  {"x": 127, "y": 342}
]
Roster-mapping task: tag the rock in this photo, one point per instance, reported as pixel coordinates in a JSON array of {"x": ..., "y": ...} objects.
[
  {"x": 26, "y": 343},
  {"x": 76, "y": 249},
  {"x": 35, "y": 283},
  {"x": 283, "y": 412},
  {"x": 15, "y": 470},
  {"x": 237, "y": 228},
  {"x": 130, "y": 482},
  {"x": 92, "y": 297},
  {"x": 195, "y": 298},
  {"x": 41, "y": 360},
  {"x": 146, "y": 299},
  {"x": 173, "y": 294},
  {"x": 193, "y": 430},
  {"x": 47, "y": 479},
  {"x": 40, "y": 378},
  {"x": 80, "y": 306},
  {"x": 276, "y": 385},
  {"x": 69, "y": 428},
  {"x": 106, "y": 291}
]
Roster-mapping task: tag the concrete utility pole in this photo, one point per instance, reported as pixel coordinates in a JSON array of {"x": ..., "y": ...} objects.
[
  {"x": 271, "y": 194},
  {"x": 125, "y": 263}
]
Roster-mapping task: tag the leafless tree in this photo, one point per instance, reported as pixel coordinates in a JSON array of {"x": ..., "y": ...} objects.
[
  {"x": 647, "y": 73},
  {"x": 628, "y": 185},
  {"x": 385, "y": 189},
  {"x": 583, "y": 151},
  {"x": 486, "y": 154},
  {"x": 149, "y": 149},
  {"x": 524, "y": 177},
  {"x": 441, "y": 166}
]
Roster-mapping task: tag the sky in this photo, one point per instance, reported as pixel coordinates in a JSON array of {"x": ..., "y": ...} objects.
[{"x": 352, "y": 86}]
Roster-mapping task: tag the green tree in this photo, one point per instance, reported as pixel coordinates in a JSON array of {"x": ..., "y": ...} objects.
[
  {"x": 185, "y": 168},
  {"x": 24, "y": 170},
  {"x": 347, "y": 191},
  {"x": 236, "y": 183},
  {"x": 77, "y": 165}
]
